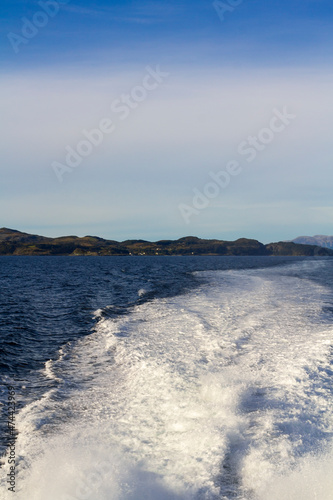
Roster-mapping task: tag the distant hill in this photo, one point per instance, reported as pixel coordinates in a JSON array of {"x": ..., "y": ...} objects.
[
  {"x": 319, "y": 240},
  {"x": 14, "y": 242}
]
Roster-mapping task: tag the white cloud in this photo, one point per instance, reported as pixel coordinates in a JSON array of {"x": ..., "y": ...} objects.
[{"x": 190, "y": 125}]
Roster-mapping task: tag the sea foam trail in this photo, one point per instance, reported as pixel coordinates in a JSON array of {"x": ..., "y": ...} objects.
[{"x": 224, "y": 393}]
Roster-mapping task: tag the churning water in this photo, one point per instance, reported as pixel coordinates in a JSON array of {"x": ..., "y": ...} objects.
[{"x": 171, "y": 379}]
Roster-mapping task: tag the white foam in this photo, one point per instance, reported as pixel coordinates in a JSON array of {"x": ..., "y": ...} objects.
[{"x": 223, "y": 393}]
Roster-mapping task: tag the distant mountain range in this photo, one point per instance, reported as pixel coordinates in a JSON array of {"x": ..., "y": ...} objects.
[
  {"x": 14, "y": 242},
  {"x": 319, "y": 240}
]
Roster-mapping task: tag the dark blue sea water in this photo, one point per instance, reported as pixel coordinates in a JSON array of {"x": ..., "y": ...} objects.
[{"x": 168, "y": 377}]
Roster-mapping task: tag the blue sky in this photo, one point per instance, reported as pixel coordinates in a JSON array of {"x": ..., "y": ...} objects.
[{"x": 67, "y": 65}]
